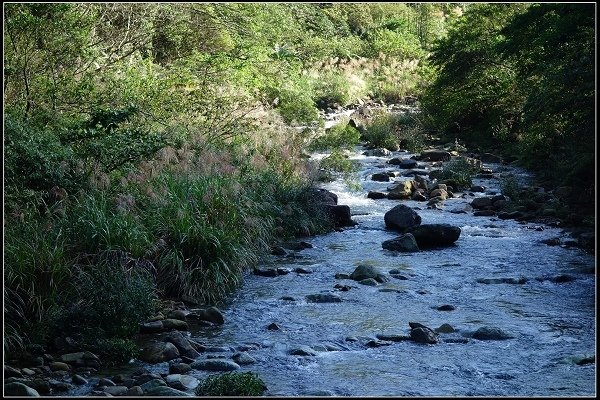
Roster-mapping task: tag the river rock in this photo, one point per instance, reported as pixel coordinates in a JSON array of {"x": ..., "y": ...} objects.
[
  {"x": 152, "y": 384},
  {"x": 381, "y": 152},
  {"x": 179, "y": 368},
  {"x": 10, "y": 372},
  {"x": 268, "y": 272},
  {"x": 340, "y": 215},
  {"x": 215, "y": 364},
  {"x": 157, "y": 352},
  {"x": 176, "y": 324},
  {"x": 134, "y": 391},
  {"x": 423, "y": 335},
  {"x": 393, "y": 338},
  {"x": 182, "y": 382},
  {"x": 152, "y": 327},
  {"x": 368, "y": 282},
  {"x": 303, "y": 350},
  {"x": 165, "y": 391},
  {"x": 364, "y": 271},
  {"x": 491, "y": 333},
  {"x": 435, "y": 235},
  {"x": 407, "y": 163},
  {"x": 183, "y": 345},
  {"x": 243, "y": 358},
  {"x": 402, "y": 190},
  {"x": 59, "y": 366},
  {"x": 445, "y": 328},
  {"x": 401, "y": 217},
  {"x": 323, "y": 298},
  {"x": 211, "y": 314},
  {"x": 446, "y": 307},
  {"x": 106, "y": 382},
  {"x": 435, "y": 155},
  {"x": 116, "y": 390},
  {"x": 480, "y": 203},
  {"x": 376, "y": 195},
  {"x": 19, "y": 389},
  {"x": 403, "y": 243},
  {"x": 418, "y": 196},
  {"x": 323, "y": 196},
  {"x": 380, "y": 177}
]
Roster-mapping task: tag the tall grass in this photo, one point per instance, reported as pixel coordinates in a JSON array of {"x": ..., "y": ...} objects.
[{"x": 393, "y": 131}]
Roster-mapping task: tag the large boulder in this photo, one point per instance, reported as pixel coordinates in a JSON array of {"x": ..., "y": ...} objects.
[
  {"x": 211, "y": 314},
  {"x": 405, "y": 163},
  {"x": 158, "y": 352},
  {"x": 423, "y": 335},
  {"x": 323, "y": 196},
  {"x": 401, "y": 217},
  {"x": 435, "y": 235},
  {"x": 20, "y": 390},
  {"x": 381, "y": 152},
  {"x": 480, "y": 203},
  {"x": 215, "y": 364},
  {"x": 364, "y": 271},
  {"x": 340, "y": 215},
  {"x": 491, "y": 333},
  {"x": 404, "y": 243},
  {"x": 435, "y": 155},
  {"x": 183, "y": 345}
]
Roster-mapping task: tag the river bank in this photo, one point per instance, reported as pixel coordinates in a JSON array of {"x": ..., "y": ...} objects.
[{"x": 307, "y": 329}]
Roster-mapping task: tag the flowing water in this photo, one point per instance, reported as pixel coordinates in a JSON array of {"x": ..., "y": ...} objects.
[{"x": 553, "y": 323}]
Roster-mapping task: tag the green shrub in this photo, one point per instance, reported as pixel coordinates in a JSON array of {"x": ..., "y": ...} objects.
[
  {"x": 332, "y": 89},
  {"x": 337, "y": 163},
  {"x": 457, "y": 173},
  {"x": 115, "y": 351},
  {"x": 113, "y": 294},
  {"x": 339, "y": 136},
  {"x": 232, "y": 384}
]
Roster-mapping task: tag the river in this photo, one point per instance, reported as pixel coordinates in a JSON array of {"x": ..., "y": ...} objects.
[{"x": 553, "y": 324}]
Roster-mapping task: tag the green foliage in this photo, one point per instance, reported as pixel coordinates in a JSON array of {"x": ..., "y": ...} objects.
[
  {"x": 339, "y": 136},
  {"x": 332, "y": 89},
  {"x": 335, "y": 164},
  {"x": 392, "y": 131},
  {"x": 456, "y": 173},
  {"x": 115, "y": 294},
  {"x": 520, "y": 77},
  {"x": 232, "y": 384},
  {"x": 115, "y": 351}
]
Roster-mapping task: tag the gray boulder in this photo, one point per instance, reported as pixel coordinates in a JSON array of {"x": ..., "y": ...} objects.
[
  {"x": 158, "y": 352},
  {"x": 491, "y": 333},
  {"x": 364, "y": 271},
  {"x": 303, "y": 350},
  {"x": 323, "y": 298},
  {"x": 19, "y": 389},
  {"x": 182, "y": 382},
  {"x": 423, "y": 335},
  {"x": 435, "y": 155},
  {"x": 435, "y": 235},
  {"x": 215, "y": 364},
  {"x": 182, "y": 344},
  {"x": 340, "y": 215},
  {"x": 401, "y": 217},
  {"x": 404, "y": 243}
]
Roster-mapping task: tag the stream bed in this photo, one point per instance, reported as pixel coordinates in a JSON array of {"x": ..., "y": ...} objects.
[{"x": 552, "y": 321}]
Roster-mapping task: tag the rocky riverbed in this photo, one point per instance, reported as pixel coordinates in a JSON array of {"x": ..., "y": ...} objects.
[{"x": 435, "y": 299}]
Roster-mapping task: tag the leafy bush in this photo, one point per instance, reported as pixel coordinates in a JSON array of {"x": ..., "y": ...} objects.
[
  {"x": 456, "y": 173},
  {"x": 115, "y": 351},
  {"x": 332, "y": 89},
  {"x": 339, "y": 136},
  {"x": 232, "y": 384},
  {"x": 112, "y": 295},
  {"x": 337, "y": 161}
]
